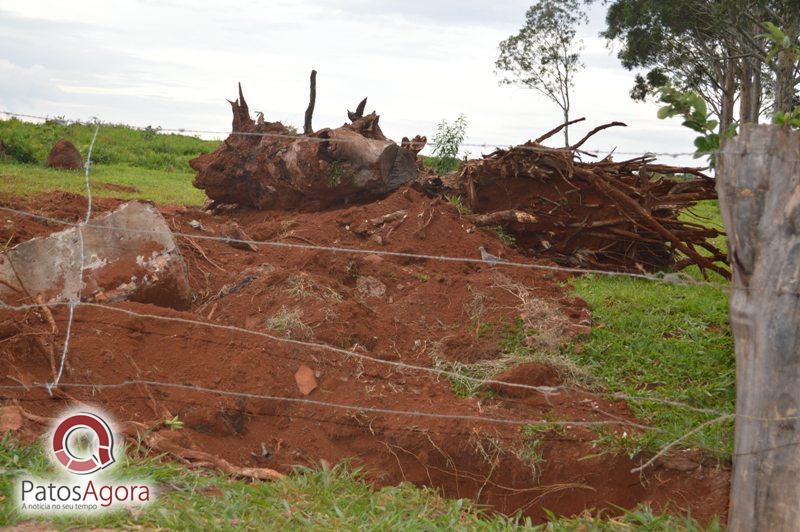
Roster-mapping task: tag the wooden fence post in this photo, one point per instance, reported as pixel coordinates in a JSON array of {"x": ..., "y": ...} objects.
[{"x": 758, "y": 180}]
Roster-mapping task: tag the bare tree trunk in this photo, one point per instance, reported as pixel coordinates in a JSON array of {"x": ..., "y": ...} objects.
[
  {"x": 312, "y": 98},
  {"x": 758, "y": 181},
  {"x": 745, "y": 98},
  {"x": 728, "y": 94},
  {"x": 566, "y": 127},
  {"x": 784, "y": 81},
  {"x": 755, "y": 93}
]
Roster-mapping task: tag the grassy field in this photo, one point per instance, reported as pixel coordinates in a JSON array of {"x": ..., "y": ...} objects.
[
  {"x": 161, "y": 186},
  {"x": 323, "y": 499},
  {"x": 155, "y": 165},
  {"x": 666, "y": 342},
  {"x": 650, "y": 339}
]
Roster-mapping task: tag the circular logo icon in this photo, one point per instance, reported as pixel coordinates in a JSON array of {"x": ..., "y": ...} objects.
[{"x": 94, "y": 433}]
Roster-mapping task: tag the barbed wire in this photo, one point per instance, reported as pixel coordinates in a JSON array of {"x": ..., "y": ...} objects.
[
  {"x": 339, "y": 249},
  {"x": 669, "y": 278},
  {"x": 82, "y": 256},
  {"x": 490, "y": 145},
  {"x": 342, "y": 406},
  {"x": 544, "y": 390}
]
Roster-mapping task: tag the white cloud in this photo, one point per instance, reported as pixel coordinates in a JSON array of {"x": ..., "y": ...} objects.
[{"x": 173, "y": 63}]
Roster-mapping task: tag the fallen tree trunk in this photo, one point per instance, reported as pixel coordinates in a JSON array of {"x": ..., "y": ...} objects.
[{"x": 266, "y": 165}]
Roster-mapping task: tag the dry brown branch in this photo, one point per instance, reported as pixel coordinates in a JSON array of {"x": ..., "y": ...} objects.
[
  {"x": 499, "y": 217},
  {"x": 158, "y": 442}
]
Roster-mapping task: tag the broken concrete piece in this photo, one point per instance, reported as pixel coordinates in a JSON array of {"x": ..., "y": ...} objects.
[
  {"x": 129, "y": 254},
  {"x": 305, "y": 379}
]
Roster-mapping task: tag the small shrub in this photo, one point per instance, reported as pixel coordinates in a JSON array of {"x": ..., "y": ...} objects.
[
  {"x": 458, "y": 203},
  {"x": 446, "y": 143}
]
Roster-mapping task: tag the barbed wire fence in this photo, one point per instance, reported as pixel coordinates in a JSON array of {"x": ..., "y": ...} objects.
[
  {"x": 485, "y": 144},
  {"x": 75, "y": 303}
]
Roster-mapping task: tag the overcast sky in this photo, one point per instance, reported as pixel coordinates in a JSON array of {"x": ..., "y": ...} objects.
[{"x": 172, "y": 63}]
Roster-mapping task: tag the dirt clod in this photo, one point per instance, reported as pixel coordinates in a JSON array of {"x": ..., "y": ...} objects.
[
  {"x": 305, "y": 379},
  {"x": 531, "y": 373}
]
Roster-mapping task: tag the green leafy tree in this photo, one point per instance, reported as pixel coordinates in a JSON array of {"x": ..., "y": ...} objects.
[
  {"x": 723, "y": 50},
  {"x": 446, "y": 143},
  {"x": 782, "y": 54},
  {"x": 672, "y": 45},
  {"x": 545, "y": 54}
]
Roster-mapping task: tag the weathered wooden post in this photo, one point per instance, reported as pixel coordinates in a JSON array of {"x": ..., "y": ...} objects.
[{"x": 758, "y": 181}]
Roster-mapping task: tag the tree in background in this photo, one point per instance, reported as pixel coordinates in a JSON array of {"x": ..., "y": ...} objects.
[
  {"x": 676, "y": 49},
  {"x": 691, "y": 106},
  {"x": 545, "y": 55},
  {"x": 720, "y": 49}
]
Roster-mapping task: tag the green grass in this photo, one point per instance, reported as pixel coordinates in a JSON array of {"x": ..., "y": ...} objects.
[
  {"x": 667, "y": 342},
  {"x": 26, "y": 142},
  {"x": 442, "y": 165},
  {"x": 156, "y": 165},
  {"x": 335, "y": 498},
  {"x": 662, "y": 341},
  {"x": 168, "y": 187}
]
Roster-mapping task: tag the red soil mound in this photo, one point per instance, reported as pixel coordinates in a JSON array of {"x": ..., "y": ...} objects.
[
  {"x": 397, "y": 309},
  {"x": 64, "y": 155}
]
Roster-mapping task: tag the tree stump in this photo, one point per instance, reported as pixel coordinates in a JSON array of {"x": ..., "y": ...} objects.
[{"x": 265, "y": 165}]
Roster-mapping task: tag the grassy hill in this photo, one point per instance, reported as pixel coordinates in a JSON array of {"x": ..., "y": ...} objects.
[{"x": 152, "y": 165}]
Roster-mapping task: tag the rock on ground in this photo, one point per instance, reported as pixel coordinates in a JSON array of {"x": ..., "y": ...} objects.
[{"x": 129, "y": 254}]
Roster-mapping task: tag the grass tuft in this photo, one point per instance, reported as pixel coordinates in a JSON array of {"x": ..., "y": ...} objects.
[{"x": 290, "y": 323}]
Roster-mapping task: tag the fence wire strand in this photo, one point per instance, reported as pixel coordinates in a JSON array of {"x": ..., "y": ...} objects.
[
  {"x": 544, "y": 390},
  {"x": 669, "y": 278},
  {"x": 341, "y": 406},
  {"x": 486, "y": 144},
  {"x": 82, "y": 265}
]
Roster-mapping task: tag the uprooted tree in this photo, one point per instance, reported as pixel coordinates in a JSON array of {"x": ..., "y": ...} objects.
[
  {"x": 606, "y": 214},
  {"x": 265, "y": 165}
]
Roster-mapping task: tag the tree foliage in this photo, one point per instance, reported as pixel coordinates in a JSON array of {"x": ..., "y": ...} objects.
[
  {"x": 722, "y": 49},
  {"x": 673, "y": 47},
  {"x": 545, "y": 55},
  {"x": 693, "y": 109}
]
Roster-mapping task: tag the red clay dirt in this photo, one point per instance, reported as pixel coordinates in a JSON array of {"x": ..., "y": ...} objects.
[
  {"x": 423, "y": 312},
  {"x": 64, "y": 155}
]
